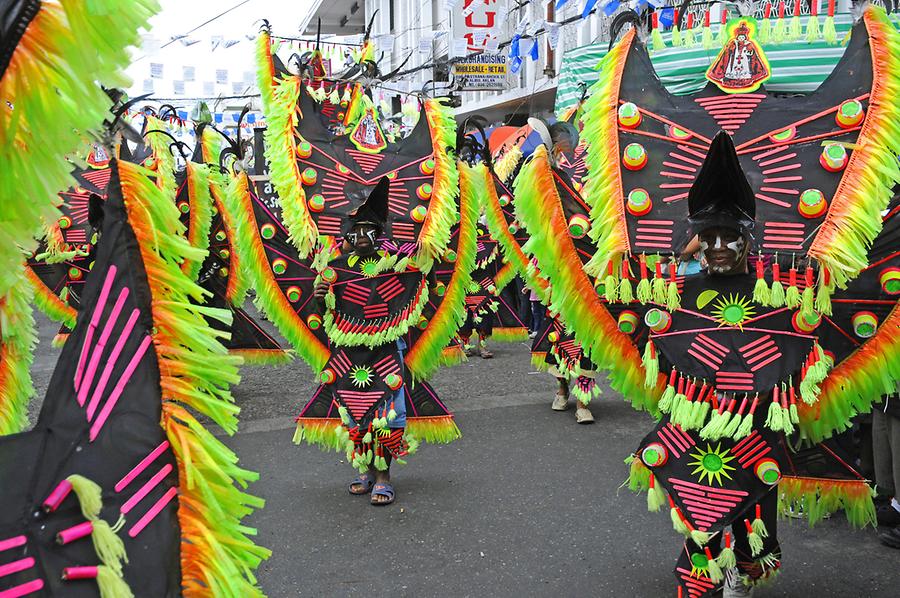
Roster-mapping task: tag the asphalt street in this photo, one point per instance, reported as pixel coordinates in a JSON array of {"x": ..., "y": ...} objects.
[{"x": 527, "y": 503}]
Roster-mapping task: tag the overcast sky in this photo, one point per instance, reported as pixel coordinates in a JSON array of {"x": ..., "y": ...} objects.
[{"x": 180, "y": 16}]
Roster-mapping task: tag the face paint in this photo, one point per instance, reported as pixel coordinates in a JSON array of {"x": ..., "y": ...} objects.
[{"x": 723, "y": 249}]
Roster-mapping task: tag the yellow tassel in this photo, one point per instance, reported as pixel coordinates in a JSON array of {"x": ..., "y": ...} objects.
[
  {"x": 89, "y": 496},
  {"x": 111, "y": 584}
]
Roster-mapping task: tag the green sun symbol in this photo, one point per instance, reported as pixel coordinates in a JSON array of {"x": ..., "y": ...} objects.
[
  {"x": 712, "y": 464},
  {"x": 733, "y": 310},
  {"x": 369, "y": 267},
  {"x": 699, "y": 564},
  {"x": 361, "y": 376}
]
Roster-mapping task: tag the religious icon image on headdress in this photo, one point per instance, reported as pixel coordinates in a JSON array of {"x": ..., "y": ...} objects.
[
  {"x": 367, "y": 135},
  {"x": 741, "y": 66}
]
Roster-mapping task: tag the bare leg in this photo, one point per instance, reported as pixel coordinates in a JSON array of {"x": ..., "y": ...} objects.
[{"x": 383, "y": 477}]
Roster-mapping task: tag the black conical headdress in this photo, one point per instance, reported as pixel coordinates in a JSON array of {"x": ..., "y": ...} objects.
[
  {"x": 375, "y": 209},
  {"x": 721, "y": 194}
]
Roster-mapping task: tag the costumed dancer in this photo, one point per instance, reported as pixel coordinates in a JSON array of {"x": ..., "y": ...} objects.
[
  {"x": 373, "y": 421},
  {"x": 385, "y": 321},
  {"x": 736, "y": 360}
]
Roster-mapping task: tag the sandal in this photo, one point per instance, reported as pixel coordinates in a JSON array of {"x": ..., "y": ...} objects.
[
  {"x": 382, "y": 489},
  {"x": 366, "y": 480}
]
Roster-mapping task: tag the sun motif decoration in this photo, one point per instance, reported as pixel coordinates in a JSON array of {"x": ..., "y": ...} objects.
[
  {"x": 712, "y": 464},
  {"x": 733, "y": 310},
  {"x": 699, "y": 565},
  {"x": 369, "y": 267},
  {"x": 361, "y": 376}
]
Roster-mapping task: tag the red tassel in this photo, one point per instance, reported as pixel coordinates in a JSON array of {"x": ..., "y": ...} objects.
[
  {"x": 758, "y": 511},
  {"x": 743, "y": 404},
  {"x": 808, "y": 276},
  {"x": 760, "y": 268},
  {"x": 754, "y": 404},
  {"x": 814, "y": 8},
  {"x": 724, "y": 16},
  {"x": 705, "y": 19},
  {"x": 659, "y": 273},
  {"x": 680, "y": 385},
  {"x": 748, "y": 526},
  {"x": 690, "y": 21},
  {"x": 793, "y": 395},
  {"x": 792, "y": 277},
  {"x": 781, "y": 11},
  {"x": 796, "y": 8},
  {"x": 672, "y": 378},
  {"x": 673, "y": 271},
  {"x": 784, "y": 399},
  {"x": 776, "y": 271},
  {"x": 626, "y": 274},
  {"x": 827, "y": 276},
  {"x": 767, "y": 12},
  {"x": 655, "y": 20},
  {"x": 642, "y": 260},
  {"x": 830, "y": 8},
  {"x": 727, "y": 540}
]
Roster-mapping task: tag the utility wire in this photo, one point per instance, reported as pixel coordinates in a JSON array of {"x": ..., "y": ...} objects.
[{"x": 205, "y": 23}]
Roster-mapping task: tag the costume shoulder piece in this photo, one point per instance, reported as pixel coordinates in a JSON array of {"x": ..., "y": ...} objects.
[
  {"x": 125, "y": 487},
  {"x": 73, "y": 48}
]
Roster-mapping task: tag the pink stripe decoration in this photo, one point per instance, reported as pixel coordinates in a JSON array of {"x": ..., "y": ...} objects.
[
  {"x": 152, "y": 513},
  {"x": 782, "y": 179},
  {"x": 760, "y": 366},
  {"x": 785, "y": 225},
  {"x": 771, "y": 152},
  {"x": 13, "y": 542},
  {"x": 685, "y": 159},
  {"x": 734, "y": 387},
  {"x": 772, "y": 200},
  {"x": 782, "y": 168},
  {"x": 752, "y": 344},
  {"x": 705, "y": 506},
  {"x": 759, "y": 451},
  {"x": 679, "y": 437},
  {"x": 111, "y": 363},
  {"x": 24, "y": 589},
  {"x": 733, "y": 375},
  {"x": 657, "y": 231},
  {"x": 778, "y": 159},
  {"x": 658, "y": 222},
  {"x": 119, "y": 388},
  {"x": 665, "y": 440},
  {"x": 778, "y": 239},
  {"x": 140, "y": 467},
  {"x": 722, "y": 491},
  {"x": 676, "y": 186},
  {"x": 663, "y": 239},
  {"x": 705, "y": 357},
  {"x": 656, "y": 245},
  {"x": 16, "y": 566},
  {"x": 713, "y": 344},
  {"x": 148, "y": 486},
  {"x": 679, "y": 166},
  {"x": 677, "y": 175},
  {"x": 780, "y": 190},
  {"x": 95, "y": 321},
  {"x": 757, "y": 352},
  {"x": 100, "y": 347},
  {"x": 672, "y": 198},
  {"x": 782, "y": 246}
]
